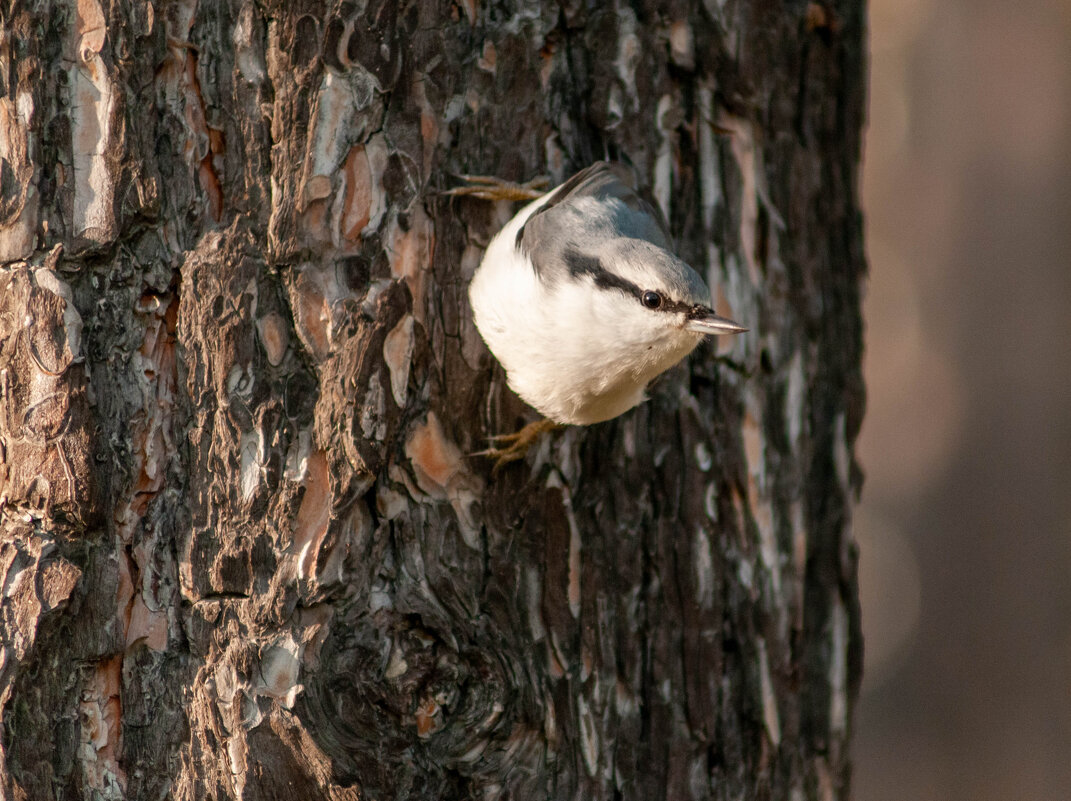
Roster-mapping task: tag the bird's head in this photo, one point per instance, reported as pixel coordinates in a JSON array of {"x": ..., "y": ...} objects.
[{"x": 646, "y": 298}]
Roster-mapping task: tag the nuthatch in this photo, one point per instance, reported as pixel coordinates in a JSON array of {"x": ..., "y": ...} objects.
[{"x": 581, "y": 300}]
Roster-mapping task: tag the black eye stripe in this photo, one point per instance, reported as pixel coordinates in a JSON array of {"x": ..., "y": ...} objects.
[
  {"x": 691, "y": 309},
  {"x": 582, "y": 264},
  {"x": 670, "y": 306}
]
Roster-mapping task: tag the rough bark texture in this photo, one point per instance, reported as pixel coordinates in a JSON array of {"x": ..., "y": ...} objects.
[{"x": 243, "y": 552}]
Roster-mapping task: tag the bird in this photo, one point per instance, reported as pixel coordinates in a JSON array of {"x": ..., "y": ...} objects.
[{"x": 582, "y": 301}]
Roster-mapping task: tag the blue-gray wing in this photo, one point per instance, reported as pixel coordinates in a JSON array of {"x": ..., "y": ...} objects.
[{"x": 597, "y": 204}]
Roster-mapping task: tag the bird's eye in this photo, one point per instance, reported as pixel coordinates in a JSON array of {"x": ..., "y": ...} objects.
[{"x": 651, "y": 299}]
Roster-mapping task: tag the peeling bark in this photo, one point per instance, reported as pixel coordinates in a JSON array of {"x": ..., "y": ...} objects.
[{"x": 244, "y": 550}]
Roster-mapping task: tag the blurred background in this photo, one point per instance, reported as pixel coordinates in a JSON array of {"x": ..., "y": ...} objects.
[{"x": 965, "y": 525}]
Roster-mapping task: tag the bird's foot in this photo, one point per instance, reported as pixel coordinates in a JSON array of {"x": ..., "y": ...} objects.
[
  {"x": 517, "y": 444},
  {"x": 486, "y": 187}
]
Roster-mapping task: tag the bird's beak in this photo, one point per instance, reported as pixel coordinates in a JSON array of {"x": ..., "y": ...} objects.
[{"x": 704, "y": 321}]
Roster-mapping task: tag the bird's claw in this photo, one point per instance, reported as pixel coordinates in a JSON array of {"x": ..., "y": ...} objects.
[
  {"x": 487, "y": 187},
  {"x": 517, "y": 443}
]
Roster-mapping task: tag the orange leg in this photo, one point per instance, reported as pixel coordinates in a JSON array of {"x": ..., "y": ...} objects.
[
  {"x": 487, "y": 187},
  {"x": 517, "y": 444}
]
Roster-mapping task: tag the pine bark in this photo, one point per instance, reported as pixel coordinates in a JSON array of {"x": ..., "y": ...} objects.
[{"x": 244, "y": 550}]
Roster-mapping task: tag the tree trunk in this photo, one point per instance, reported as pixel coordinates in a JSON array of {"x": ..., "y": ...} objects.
[{"x": 244, "y": 550}]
